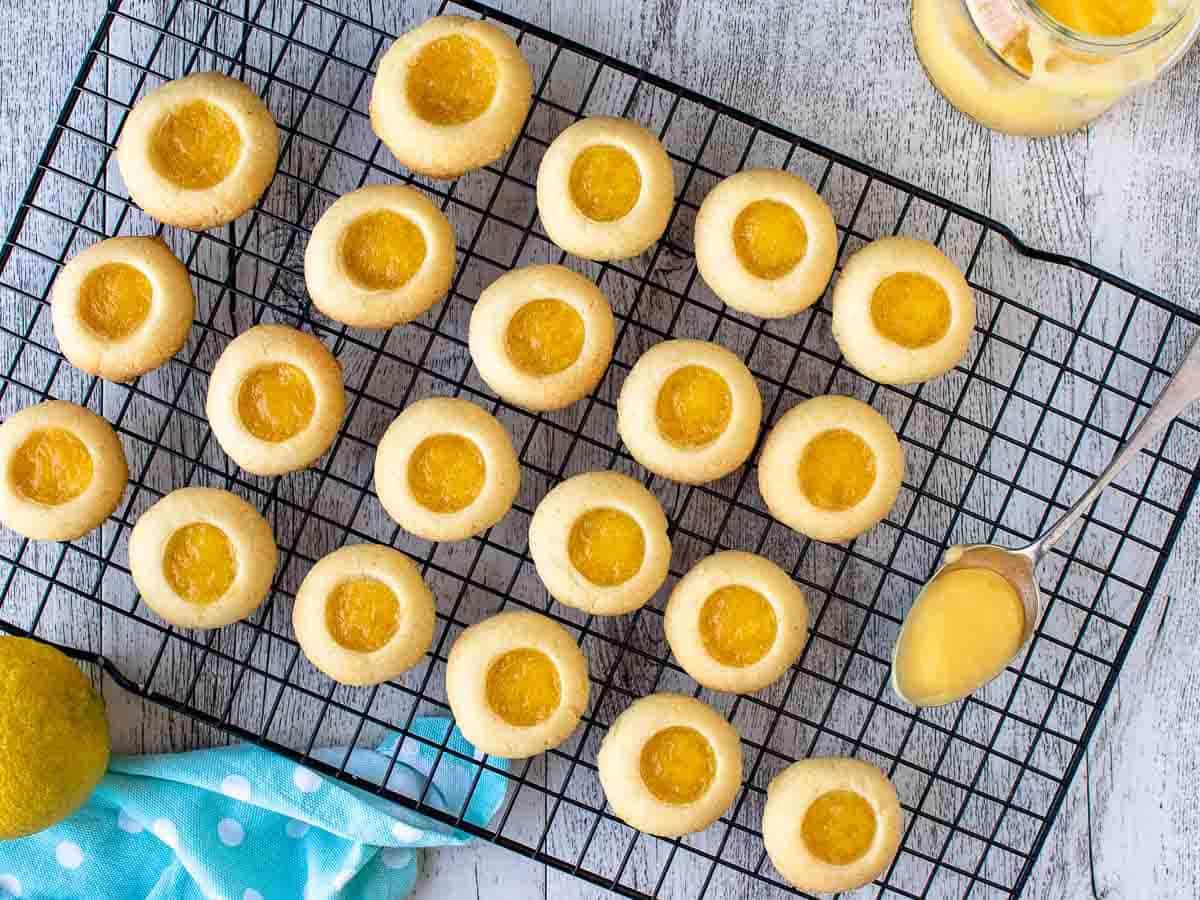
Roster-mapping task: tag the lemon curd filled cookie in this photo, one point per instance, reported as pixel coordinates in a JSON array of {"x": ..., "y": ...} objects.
[
  {"x": 451, "y": 96},
  {"x": 831, "y": 824},
  {"x": 670, "y": 765},
  {"x": 766, "y": 243},
  {"x": 599, "y": 542},
  {"x": 541, "y": 336},
  {"x": 202, "y": 557},
  {"x": 363, "y": 615},
  {"x": 736, "y": 622},
  {"x": 831, "y": 468},
  {"x": 446, "y": 469},
  {"x": 902, "y": 311},
  {"x": 275, "y": 399},
  {"x": 198, "y": 151},
  {"x": 122, "y": 307},
  {"x": 64, "y": 471},
  {"x": 379, "y": 256},
  {"x": 605, "y": 189},
  {"x": 517, "y": 684},
  {"x": 689, "y": 411}
]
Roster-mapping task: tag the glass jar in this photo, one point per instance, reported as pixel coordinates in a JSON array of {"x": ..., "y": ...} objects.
[{"x": 1014, "y": 66}]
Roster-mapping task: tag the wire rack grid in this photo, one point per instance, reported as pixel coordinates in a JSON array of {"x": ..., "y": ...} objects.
[{"x": 1064, "y": 361}]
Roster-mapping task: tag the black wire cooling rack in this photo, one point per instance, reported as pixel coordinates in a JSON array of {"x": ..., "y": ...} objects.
[{"x": 1065, "y": 360}]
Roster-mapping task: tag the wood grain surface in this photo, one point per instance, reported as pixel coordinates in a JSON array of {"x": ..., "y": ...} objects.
[{"x": 1124, "y": 195}]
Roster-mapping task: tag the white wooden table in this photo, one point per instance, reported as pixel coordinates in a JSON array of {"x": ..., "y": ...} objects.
[{"x": 1125, "y": 195}]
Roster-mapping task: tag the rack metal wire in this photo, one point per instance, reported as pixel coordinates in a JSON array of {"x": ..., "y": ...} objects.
[{"x": 1064, "y": 361}]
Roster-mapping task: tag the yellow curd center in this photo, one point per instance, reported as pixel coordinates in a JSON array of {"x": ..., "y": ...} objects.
[
  {"x": 606, "y": 546},
  {"x": 605, "y": 182},
  {"x": 51, "y": 467},
  {"x": 911, "y": 309},
  {"x": 523, "y": 687},
  {"x": 196, "y": 145},
  {"x": 769, "y": 238},
  {"x": 544, "y": 337},
  {"x": 362, "y": 614},
  {"x": 446, "y": 473},
  {"x": 964, "y": 628},
  {"x": 114, "y": 300},
  {"x": 839, "y": 827},
  {"x": 382, "y": 250},
  {"x": 678, "y": 764},
  {"x": 694, "y": 406},
  {"x": 199, "y": 563},
  {"x": 276, "y": 402},
  {"x": 452, "y": 80},
  {"x": 737, "y": 625},
  {"x": 837, "y": 469},
  {"x": 1102, "y": 18}
]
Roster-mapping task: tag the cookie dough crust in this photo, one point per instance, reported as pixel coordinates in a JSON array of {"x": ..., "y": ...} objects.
[
  {"x": 493, "y": 313},
  {"x": 727, "y": 569},
  {"x": 438, "y": 416},
  {"x": 79, "y": 515},
  {"x": 621, "y": 238},
  {"x": 447, "y": 151},
  {"x": 550, "y": 531},
  {"x": 341, "y": 297},
  {"x": 467, "y": 669},
  {"x": 619, "y": 762},
  {"x": 723, "y": 271},
  {"x": 199, "y": 208},
  {"x": 778, "y": 467},
  {"x": 872, "y": 353},
  {"x": 159, "y": 337},
  {"x": 415, "y": 622},
  {"x": 793, "y": 791},
  {"x": 249, "y": 535},
  {"x": 638, "y": 425},
  {"x": 266, "y": 345}
]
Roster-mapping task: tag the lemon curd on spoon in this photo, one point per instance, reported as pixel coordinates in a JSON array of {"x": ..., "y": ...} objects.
[{"x": 964, "y": 628}]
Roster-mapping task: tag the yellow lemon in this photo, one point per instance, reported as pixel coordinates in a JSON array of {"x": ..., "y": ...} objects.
[{"x": 53, "y": 737}]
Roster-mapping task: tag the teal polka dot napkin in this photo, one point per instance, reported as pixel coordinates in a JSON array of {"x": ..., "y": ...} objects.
[{"x": 242, "y": 823}]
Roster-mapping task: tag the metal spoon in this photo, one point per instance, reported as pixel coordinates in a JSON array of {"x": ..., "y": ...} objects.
[{"x": 1019, "y": 565}]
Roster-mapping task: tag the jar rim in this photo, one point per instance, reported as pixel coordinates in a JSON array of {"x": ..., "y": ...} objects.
[{"x": 1099, "y": 43}]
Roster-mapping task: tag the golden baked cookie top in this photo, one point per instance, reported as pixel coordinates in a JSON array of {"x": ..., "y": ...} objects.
[
  {"x": 902, "y": 311},
  {"x": 605, "y": 189},
  {"x": 670, "y": 764},
  {"x": 541, "y": 336},
  {"x": 198, "y": 151},
  {"x": 599, "y": 542},
  {"x": 766, "y": 242},
  {"x": 63, "y": 471},
  {"x": 689, "y": 411},
  {"x": 450, "y": 96},
  {"x": 517, "y": 683},
  {"x": 122, "y": 307},
  {"x": 379, "y": 256},
  {"x": 363, "y": 614},
  {"x": 831, "y": 824},
  {"x": 202, "y": 557},
  {"x": 736, "y": 621},
  {"x": 275, "y": 399},
  {"x": 831, "y": 468},
  {"x": 446, "y": 469}
]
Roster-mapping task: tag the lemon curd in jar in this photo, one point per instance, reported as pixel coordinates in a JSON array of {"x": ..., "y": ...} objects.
[{"x": 1043, "y": 67}]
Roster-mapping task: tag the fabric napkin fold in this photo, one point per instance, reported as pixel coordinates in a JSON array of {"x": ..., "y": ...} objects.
[{"x": 242, "y": 823}]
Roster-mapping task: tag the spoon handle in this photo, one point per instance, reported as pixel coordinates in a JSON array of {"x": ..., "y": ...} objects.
[{"x": 1181, "y": 390}]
